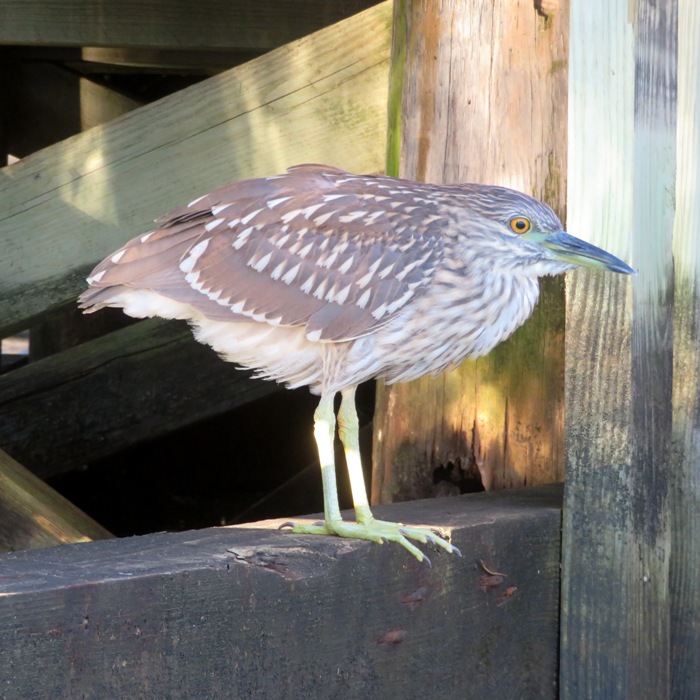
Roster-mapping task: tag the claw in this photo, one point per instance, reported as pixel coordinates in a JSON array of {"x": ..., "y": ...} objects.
[{"x": 289, "y": 523}]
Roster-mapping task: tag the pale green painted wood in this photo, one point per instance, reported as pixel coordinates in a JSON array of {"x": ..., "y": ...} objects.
[
  {"x": 616, "y": 623},
  {"x": 320, "y": 99},
  {"x": 175, "y": 24}
]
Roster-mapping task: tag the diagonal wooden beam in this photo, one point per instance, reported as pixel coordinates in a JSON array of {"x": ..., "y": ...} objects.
[
  {"x": 322, "y": 98},
  {"x": 135, "y": 383},
  {"x": 33, "y": 515}
]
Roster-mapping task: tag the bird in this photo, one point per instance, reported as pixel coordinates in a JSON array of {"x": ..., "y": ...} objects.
[{"x": 322, "y": 278}]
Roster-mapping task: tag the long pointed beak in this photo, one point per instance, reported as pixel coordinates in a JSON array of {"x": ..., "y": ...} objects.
[{"x": 574, "y": 251}]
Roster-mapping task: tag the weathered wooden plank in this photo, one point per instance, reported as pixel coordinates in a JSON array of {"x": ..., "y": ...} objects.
[
  {"x": 617, "y": 534},
  {"x": 33, "y": 515},
  {"x": 177, "y": 24},
  {"x": 685, "y": 491},
  {"x": 243, "y": 613},
  {"x": 322, "y": 98},
  {"x": 135, "y": 383},
  {"x": 470, "y": 102}
]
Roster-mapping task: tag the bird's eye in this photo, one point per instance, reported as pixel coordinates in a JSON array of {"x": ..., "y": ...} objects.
[{"x": 520, "y": 224}]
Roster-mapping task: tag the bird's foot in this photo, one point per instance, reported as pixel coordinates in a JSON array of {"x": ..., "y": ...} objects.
[{"x": 378, "y": 531}]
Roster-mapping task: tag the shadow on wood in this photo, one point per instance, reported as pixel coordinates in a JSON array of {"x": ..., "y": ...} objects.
[{"x": 138, "y": 382}]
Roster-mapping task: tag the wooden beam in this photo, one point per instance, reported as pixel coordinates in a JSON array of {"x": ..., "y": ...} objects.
[
  {"x": 234, "y": 612},
  {"x": 100, "y": 105},
  {"x": 322, "y": 99},
  {"x": 470, "y": 102},
  {"x": 135, "y": 383},
  {"x": 175, "y": 24},
  {"x": 33, "y": 515},
  {"x": 621, "y": 469},
  {"x": 684, "y": 571},
  {"x": 179, "y": 61}
]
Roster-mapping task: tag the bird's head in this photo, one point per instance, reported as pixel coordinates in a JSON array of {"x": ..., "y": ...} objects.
[{"x": 528, "y": 233}]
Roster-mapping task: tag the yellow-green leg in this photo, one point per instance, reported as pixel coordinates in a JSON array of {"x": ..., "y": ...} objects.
[{"x": 365, "y": 527}]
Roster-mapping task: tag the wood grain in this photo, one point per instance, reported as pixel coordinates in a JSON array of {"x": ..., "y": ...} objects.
[
  {"x": 175, "y": 24},
  {"x": 685, "y": 480},
  {"x": 322, "y": 98},
  {"x": 617, "y": 534},
  {"x": 478, "y": 94},
  {"x": 257, "y": 613}
]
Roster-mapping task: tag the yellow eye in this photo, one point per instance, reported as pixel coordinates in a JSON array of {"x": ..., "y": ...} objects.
[{"x": 520, "y": 224}]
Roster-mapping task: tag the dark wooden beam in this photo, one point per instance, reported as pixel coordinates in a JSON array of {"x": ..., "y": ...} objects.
[
  {"x": 117, "y": 390},
  {"x": 232, "y": 612},
  {"x": 175, "y": 24},
  {"x": 7, "y": 68},
  {"x": 179, "y": 61}
]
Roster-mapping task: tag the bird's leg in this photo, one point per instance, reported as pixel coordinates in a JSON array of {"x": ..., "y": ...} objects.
[
  {"x": 366, "y": 527},
  {"x": 349, "y": 433},
  {"x": 324, "y": 432}
]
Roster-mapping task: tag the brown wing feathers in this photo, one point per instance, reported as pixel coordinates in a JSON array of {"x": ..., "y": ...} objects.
[{"x": 338, "y": 253}]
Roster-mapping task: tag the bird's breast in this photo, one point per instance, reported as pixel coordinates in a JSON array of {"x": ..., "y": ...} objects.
[{"x": 458, "y": 318}]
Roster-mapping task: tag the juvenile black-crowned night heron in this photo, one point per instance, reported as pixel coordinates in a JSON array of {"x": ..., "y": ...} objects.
[{"x": 325, "y": 279}]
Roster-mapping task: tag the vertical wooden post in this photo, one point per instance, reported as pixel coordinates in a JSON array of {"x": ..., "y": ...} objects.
[
  {"x": 6, "y": 69},
  {"x": 619, "y": 353},
  {"x": 685, "y": 477},
  {"x": 478, "y": 94}
]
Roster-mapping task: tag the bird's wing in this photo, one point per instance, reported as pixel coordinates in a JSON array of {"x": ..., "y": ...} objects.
[{"x": 338, "y": 253}]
